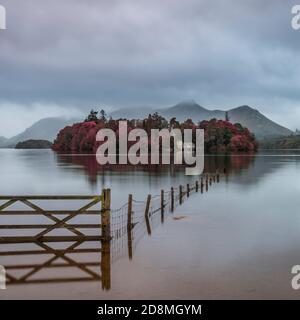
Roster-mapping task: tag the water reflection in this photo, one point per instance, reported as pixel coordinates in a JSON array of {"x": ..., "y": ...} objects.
[
  {"x": 33, "y": 272},
  {"x": 80, "y": 262},
  {"x": 65, "y": 264},
  {"x": 238, "y": 241},
  {"x": 213, "y": 163}
]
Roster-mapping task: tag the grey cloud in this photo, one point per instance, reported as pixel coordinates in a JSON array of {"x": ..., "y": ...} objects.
[{"x": 221, "y": 53}]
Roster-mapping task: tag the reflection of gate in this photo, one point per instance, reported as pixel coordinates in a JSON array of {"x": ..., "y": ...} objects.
[
  {"x": 40, "y": 239},
  {"x": 68, "y": 262}
]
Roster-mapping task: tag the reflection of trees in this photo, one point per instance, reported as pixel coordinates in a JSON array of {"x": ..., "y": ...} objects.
[
  {"x": 93, "y": 169},
  {"x": 213, "y": 163},
  {"x": 87, "y": 163},
  {"x": 228, "y": 163}
]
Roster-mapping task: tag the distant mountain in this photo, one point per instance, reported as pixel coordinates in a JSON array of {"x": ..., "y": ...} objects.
[
  {"x": 256, "y": 122},
  {"x": 47, "y": 129},
  {"x": 3, "y": 140},
  {"x": 44, "y": 129},
  {"x": 192, "y": 110},
  {"x": 245, "y": 115}
]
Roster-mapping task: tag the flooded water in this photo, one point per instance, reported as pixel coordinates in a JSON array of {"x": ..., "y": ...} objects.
[{"x": 238, "y": 240}]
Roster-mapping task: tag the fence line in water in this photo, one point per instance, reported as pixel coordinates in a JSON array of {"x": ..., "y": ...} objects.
[
  {"x": 122, "y": 229},
  {"x": 136, "y": 211}
]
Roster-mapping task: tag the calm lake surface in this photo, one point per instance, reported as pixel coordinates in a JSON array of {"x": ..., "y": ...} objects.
[{"x": 239, "y": 240}]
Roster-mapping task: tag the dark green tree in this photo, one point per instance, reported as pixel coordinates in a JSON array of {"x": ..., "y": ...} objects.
[
  {"x": 227, "y": 118},
  {"x": 103, "y": 115},
  {"x": 93, "y": 116}
]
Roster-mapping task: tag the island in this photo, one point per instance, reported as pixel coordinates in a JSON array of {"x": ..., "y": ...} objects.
[
  {"x": 34, "y": 144},
  {"x": 221, "y": 136}
]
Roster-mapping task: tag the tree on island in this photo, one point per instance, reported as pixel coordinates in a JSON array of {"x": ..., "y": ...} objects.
[
  {"x": 103, "y": 115},
  {"x": 173, "y": 123},
  {"x": 227, "y": 118},
  {"x": 93, "y": 116}
]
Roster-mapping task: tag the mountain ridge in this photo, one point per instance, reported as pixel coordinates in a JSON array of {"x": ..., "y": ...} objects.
[
  {"x": 255, "y": 121},
  {"x": 43, "y": 129},
  {"x": 249, "y": 117}
]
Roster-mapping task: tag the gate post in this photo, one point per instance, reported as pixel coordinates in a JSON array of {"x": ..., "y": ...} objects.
[
  {"x": 105, "y": 214},
  {"x": 105, "y": 264}
]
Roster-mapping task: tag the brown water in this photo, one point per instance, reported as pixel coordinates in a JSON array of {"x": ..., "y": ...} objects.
[{"x": 238, "y": 240}]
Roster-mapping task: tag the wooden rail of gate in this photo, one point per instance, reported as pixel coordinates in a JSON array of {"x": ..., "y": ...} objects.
[{"x": 42, "y": 236}]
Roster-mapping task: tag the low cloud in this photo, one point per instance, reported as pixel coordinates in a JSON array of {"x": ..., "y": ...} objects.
[{"x": 65, "y": 55}]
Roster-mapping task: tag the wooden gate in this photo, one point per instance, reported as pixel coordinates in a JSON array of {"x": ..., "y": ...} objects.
[{"x": 42, "y": 238}]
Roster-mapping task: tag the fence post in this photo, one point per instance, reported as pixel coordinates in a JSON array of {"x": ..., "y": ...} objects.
[
  {"x": 129, "y": 227},
  {"x": 105, "y": 214},
  {"x": 148, "y": 206},
  {"x": 172, "y": 199},
  {"x": 162, "y": 205},
  {"x": 162, "y": 201},
  {"x": 129, "y": 213},
  {"x": 147, "y": 215},
  {"x": 180, "y": 194},
  {"x": 197, "y": 186}
]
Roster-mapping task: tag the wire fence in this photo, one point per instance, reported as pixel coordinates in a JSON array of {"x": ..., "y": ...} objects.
[{"x": 133, "y": 215}]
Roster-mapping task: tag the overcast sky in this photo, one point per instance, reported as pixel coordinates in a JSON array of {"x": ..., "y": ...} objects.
[{"x": 62, "y": 57}]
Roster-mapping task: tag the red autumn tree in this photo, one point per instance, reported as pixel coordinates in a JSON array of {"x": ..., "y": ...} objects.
[{"x": 219, "y": 135}]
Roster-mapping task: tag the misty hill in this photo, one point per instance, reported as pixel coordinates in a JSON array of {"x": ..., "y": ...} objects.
[
  {"x": 44, "y": 129},
  {"x": 34, "y": 144},
  {"x": 262, "y": 126},
  {"x": 245, "y": 115},
  {"x": 192, "y": 110},
  {"x": 3, "y": 140},
  {"x": 47, "y": 129}
]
